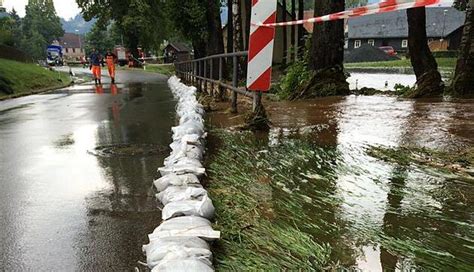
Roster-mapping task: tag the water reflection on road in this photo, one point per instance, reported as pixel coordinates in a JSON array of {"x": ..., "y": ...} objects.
[{"x": 65, "y": 207}]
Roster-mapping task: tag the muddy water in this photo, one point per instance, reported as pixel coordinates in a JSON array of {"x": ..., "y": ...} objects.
[
  {"x": 66, "y": 205},
  {"x": 378, "y": 215}
]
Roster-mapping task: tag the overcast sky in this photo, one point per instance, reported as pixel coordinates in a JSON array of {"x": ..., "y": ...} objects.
[{"x": 65, "y": 8}]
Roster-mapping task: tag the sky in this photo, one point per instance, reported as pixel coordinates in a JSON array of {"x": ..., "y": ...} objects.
[{"x": 64, "y": 8}]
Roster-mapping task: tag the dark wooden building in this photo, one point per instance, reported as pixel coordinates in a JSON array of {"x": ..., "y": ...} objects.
[
  {"x": 443, "y": 26},
  {"x": 175, "y": 51}
]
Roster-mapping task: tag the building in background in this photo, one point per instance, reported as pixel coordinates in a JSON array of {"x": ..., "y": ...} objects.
[
  {"x": 3, "y": 11},
  {"x": 176, "y": 51},
  {"x": 444, "y": 27},
  {"x": 73, "y": 46}
]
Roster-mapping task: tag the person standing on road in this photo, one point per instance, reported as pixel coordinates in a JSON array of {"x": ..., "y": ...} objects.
[
  {"x": 95, "y": 61},
  {"x": 111, "y": 59}
]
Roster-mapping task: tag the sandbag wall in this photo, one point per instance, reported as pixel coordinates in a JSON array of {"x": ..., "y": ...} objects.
[{"x": 181, "y": 242}]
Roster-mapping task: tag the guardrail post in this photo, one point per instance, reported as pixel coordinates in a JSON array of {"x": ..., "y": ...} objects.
[
  {"x": 235, "y": 81},
  {"x": 257, "y": 101},
  {"x": 211, "y": 93},
  {"x": 199, "y": 74},
  {"x": 219, "y": 88},
  {"x": 205, "y": 76},
  {"x": 193, "y": 75}
]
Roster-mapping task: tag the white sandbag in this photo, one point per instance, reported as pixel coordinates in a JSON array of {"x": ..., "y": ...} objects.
[
  {"x": 164, "y": 248},
  {"x": 191, "y": 265},
  {"x": 175, "y": 180},
  {"x": 203, "y": 208},
  {"x": 181, "y": 170},
  {"x": 192, "y": 139},
  {"x": 179, "y": 193},
  {"x": 186, "y": 226},
  {"x": 183, "y": 161}
]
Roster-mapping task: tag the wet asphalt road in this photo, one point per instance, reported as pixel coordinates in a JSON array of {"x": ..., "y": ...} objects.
[{"x": 66, "y": 206}]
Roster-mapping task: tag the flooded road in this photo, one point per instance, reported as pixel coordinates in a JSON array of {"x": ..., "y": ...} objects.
[
  {"x": 376, "y": 214},
  {"x": 77, "y": 167}
]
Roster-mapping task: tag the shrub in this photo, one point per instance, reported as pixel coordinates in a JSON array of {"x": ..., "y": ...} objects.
[{"x": 297, "y": 74}]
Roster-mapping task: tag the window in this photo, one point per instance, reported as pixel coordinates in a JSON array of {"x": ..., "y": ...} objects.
[
  {"x": 371, "y": 42},
  {"x": 430, "y": 40},
  {"x": 74, "y": 50},
  {"x": 357, "y": 44},
  {"x": 67, "y": 50},
  {"x": 346, "y": 44},
  {"x": 404, "y": 43}
]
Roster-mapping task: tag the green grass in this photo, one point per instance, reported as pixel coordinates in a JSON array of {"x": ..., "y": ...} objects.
[
  {"x": 23, "y": 78},
  {"x": 443, "y": 63},
  {"x": 167, "y": 69},
  {"x": 265, "y": 225}
]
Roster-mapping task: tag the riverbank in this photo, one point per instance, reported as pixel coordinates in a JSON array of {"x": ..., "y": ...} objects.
[
  {"x": 20, "y": 79},
  {"x": 323, "y": 189}
]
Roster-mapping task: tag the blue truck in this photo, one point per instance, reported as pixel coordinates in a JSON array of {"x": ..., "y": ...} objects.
[{"x": 55, "y": 55}]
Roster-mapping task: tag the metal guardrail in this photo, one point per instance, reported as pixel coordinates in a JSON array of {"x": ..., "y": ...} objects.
[{"x": 200, "y": 72}]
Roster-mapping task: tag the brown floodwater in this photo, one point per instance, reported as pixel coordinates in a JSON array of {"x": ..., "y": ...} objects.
[{"x": 389, "y": 217}]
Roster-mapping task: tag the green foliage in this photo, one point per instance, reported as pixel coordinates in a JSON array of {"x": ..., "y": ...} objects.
[
  {"x": 297, "y": 75},
  {"x": 6, "y": 31},
  {"x": 460, "y": 4},
  {"x": 35, "y": 31},
  {"x": 142, "y": 22},
  {"x": 102, "y": 38},
  {"x": 25, "y": 78},
  {"x": 402, "y": 90},
  {"x": 443, "y": 63}
]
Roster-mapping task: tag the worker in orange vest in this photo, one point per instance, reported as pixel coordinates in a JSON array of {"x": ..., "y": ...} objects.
[
  {"x": 111, "y": 59},
  {"x": 95, "y": 61}
]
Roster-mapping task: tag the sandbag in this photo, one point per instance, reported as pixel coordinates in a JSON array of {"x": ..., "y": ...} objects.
[
  {"x": 178, "y": 193},
  {"x": 186, "y": 226},
  {"x": 175, "y": 180},
  {"x": 183, "y": 161},
  {"x": 182, "y": 169},
  {"x": 203, "y": 208},
  {"x": 164, "y": 248},
  {"x": 190, "y": 265}
]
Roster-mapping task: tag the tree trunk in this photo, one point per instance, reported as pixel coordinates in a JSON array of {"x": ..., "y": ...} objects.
[
  {"x": 285, "y": 34},
  {"x": 428, "y": 79},
  {"x": 327, "y": 53},
  {"x": 230, "y": 28},
  {"x": 463, "y": 83},
  {"x": 215, "y": 41},
  {"x": 293, "y": 30},
  {"x": 248, "y": 14},
  {"x": 301, "y": 42}
]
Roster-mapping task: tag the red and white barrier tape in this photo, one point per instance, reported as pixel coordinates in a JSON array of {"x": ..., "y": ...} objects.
[{"x": 382, "y": 7}]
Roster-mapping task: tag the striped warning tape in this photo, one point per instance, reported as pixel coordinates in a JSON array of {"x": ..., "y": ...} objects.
[{"x": 382, "y": 7}]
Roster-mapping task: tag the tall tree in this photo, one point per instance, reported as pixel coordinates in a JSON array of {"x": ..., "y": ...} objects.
[
  {"x": 301, "y": 42},
  {"x": 428, "y": 79},
  {"x": 136, "y": 19},
  {"x": 215, "y": 42},
  {"x": 230, "y": 27},
  {"x": 285, "y": 34},
  {"x": 293, "y": 29},
  {"x": 40, "y": 27},
  {"x": 463, "y": 83},
  {"x": 327, "y": 53},
  {"x": 189, "y": 17}
]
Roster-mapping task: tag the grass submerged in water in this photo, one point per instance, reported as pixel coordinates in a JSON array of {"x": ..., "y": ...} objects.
[
  {"x": 281, "y": 207},
  {"x": 264, "y": 224}
]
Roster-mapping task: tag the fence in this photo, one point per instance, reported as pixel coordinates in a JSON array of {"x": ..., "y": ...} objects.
[{"x": 200, "y": 72}]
